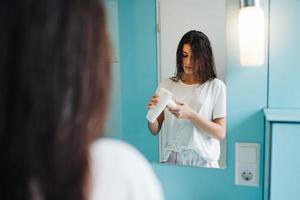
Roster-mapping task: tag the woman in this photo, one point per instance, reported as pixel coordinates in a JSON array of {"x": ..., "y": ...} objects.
[
  {"x": 192, "y": 131},
  {"x": 54, "y": 83}
]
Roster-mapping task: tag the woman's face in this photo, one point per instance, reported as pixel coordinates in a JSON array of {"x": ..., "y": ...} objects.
[{"x": 188, "y": 60}]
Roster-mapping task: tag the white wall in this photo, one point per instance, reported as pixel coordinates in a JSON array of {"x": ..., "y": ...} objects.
[{"x": 176, "y": 17}]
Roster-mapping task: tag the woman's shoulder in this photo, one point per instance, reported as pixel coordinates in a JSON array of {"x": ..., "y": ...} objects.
[
  {"x": 167, "y": 83},
  {"x": 217, "y": 84},
  {"x": 217, "y": 81},
  {"x": 112, "y": 146},
  {"x": 118, "y": 166},
  {"x": 117, "y": 151}
]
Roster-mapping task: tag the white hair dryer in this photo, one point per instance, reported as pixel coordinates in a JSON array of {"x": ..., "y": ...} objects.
[{"x": 165, "y": 99}]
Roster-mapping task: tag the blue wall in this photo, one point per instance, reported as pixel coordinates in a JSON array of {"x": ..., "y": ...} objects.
[
  {"x": 284, "y": 54},
  {"x": 249, "y": 91},
  {"x": 138, "y": 71},
  {"x": 247, "y": 95},
  {"x": 113, "y": 127},
  {"x": 284, "y": 92}
]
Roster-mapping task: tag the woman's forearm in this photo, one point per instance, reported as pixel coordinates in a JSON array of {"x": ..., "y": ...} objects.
[
  {"x": 215, "y": 129},
  {"x": 156, "y": 125}
]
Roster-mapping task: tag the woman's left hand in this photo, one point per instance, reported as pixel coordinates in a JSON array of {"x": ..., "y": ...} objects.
[{"x": 182, "y": 111}]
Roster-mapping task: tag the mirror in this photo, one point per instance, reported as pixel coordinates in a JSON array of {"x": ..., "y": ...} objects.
[
  {"x": 133, "y": 33},
  {"x": 174, "y": 19}
]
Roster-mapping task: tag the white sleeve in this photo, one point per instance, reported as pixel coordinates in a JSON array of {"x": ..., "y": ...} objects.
[
  {"x": 167, "y": 83},
  {"x": 120, "y": 172},
  {"x": 219, "y": 108}
]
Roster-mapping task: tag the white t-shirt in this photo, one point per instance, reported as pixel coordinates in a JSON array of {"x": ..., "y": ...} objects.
[
  {"x": 181, "y": 142},
  {"x": 120, "y": 172}
]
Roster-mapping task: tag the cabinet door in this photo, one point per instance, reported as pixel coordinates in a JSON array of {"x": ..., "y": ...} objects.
[{"x": 285, "y": 161}]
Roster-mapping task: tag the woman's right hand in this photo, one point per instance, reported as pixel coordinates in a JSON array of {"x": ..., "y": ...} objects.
[
  {"x": 153, "y": 101},
  {"x": 156, "y": 125}
]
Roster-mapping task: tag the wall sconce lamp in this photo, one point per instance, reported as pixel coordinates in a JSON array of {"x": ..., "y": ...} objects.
[{"x": 251, "y": 33}]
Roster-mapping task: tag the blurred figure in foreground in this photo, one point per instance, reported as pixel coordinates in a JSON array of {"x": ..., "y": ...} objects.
[{"x": 54, "y": 84}]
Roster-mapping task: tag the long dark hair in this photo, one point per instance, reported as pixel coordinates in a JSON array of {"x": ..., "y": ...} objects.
[
  {"x": 54, "y": 82},
  {"x": 202, "y": 55}
]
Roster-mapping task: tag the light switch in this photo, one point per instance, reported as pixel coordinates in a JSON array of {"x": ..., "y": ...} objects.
[
  {"x": 247, "y": 164},
  {"x": 247, "y": 154}
]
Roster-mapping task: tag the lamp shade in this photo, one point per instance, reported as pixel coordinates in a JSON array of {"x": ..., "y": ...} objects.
[{"x": 251, "y": 36}]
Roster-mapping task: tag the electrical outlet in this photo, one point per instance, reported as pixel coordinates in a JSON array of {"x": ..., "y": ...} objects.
[
  {"x": 247, "y": 164},
  {"x": 247, "y": 175}
]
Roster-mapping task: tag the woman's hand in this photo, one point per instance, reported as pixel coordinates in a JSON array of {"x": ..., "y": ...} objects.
[
  {"x": 156, "y": 125},
  {"x": 153, "y": 101},
  {"x": 215, "y": 128},
  {"x": 182, "y": 111}
]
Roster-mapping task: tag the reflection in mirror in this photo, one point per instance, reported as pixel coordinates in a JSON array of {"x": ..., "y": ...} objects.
[{"x": 191, "y": 132}]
